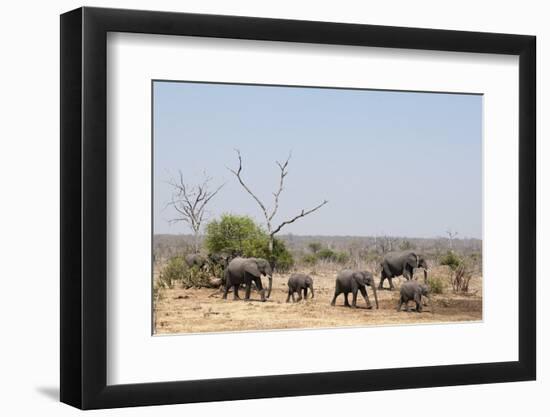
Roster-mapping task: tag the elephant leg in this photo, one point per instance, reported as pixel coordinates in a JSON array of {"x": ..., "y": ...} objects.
[
  {"x": 225, "y": 290},
  {"x": 391, "y": 284},
  {"x": 346, "y": 298},
  {"x": 289, "y": 294},
  {"x": 247, "y": 292},
  {"x": 366, "y": 297},
  {"x": 418, "y": 301},
  {"x": 399, "y": 303},
  {"x": 333, "y": 302},
  {"x": 407, "y": 307},
  {"x": 258, "y": 283},
  {"x": 354, "y": 298},
  {"x": 236, "y": 292},
  {"x": 305, "y": 293},
  {"x": 299, "y": 292},
  {"x": 381, "y": 284}
]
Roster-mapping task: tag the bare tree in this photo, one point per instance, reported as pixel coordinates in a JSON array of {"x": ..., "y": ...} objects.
[
  {"x": 269, "y": 214},
  {"x": 190, "y": 203},
  {"x": 451, "y": 234},
  {"x": 387, "y": 243}
]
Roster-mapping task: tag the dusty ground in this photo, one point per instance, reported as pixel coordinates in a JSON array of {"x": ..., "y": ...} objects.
[{"x": 203, "y": 310}]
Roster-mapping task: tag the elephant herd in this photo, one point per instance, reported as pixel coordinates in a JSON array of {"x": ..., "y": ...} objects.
[{"x": 246, "y": 271}]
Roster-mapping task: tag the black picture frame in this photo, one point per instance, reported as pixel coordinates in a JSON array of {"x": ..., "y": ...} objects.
[{"x": 84, "y": 207}]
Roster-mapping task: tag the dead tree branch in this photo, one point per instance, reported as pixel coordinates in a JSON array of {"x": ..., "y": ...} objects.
[
  {"x": 451, "y": 234},
  {"x": 190, "y": 202},
  {"x": 270, "y": 214}
]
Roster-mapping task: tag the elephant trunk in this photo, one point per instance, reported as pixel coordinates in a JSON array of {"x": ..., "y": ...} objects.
[
  {"x": 425, "y": 275},
  {"x": 312, "y": 293},
  {"x": 375, "y": 294},
  {"x": 270, "y": 278}
]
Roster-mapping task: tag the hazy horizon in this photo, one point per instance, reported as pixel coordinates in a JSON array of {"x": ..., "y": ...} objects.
[
  {"x": 190, "y": 235},
  {"x": 397, "y": 164}
]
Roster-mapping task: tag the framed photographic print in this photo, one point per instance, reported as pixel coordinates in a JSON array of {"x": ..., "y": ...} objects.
[{"x": 257, "y": 207}]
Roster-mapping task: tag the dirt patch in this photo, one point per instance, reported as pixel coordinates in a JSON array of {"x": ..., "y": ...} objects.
[{"x": 203, "y": 310}]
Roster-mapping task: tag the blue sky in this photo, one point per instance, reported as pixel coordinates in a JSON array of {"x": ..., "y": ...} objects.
[{"x": 389, "y": 163}]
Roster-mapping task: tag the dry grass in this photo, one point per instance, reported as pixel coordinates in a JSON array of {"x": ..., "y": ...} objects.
[{"x": 203, "y": 310}]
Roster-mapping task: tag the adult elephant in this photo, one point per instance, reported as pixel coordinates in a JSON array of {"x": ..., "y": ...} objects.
[
  {"x": 195, "y": 259},
  {"x": 245, "y": 271},
  {"x": 401, "y": 263},
  {"x": 353, "y": 281}
]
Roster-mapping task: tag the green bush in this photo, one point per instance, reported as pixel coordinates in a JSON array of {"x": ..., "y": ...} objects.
[
  {"x": 282, "y": 256},
  {"x": 314, "y": 247},
  {"x": 326, "y": 254},
  {"x": 240, "y": 236},
  {"x": 451, "y": 259},
  {"x": 196, "y": 277},
  {"x": 436, "y": 285},
  {"x": 235, "y": 235},
  {"x": 175, "y": 270},
  {"x": 309, "y": 259},
  {"x": 341, "y": 257}
]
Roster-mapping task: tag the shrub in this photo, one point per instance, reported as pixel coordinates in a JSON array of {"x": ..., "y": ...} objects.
[
  {"x": 436, "y": 285},
  {"x": 460, "y": 279},
  {"x": 175, "y": 270},
  {"x": 451, "y": 259},
  {"x": 240, "y": 236},
  {"x": 461, "y": 270},
  {"x": 341, "y": 257},
  {"x": 309, "y": 259},
  {"x": 196, "y": 277},
  {"x": 326, "y": 254},
  {"x": 282, "y": 257},
  {"x": 235, "y": 235},
  {"x": 314, "y": 247}
]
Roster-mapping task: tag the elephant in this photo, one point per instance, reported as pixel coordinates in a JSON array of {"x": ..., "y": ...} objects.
[
  {"x": 297, "y": 283},
  {"x": 401, "y": 263},
  {"x": 195, "y": 259},
  {"x": 218, "y": 259},
  {"x": 413, "y": 290},
  {"x": 247, "y": 270},
  {"x": 352, "y": 281}
]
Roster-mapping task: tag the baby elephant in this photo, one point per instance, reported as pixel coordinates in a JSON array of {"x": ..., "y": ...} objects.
[
  {"x": 353, "y": 281},
  {"x": 297, "y": 283},
  {"x": 412, "y": 290}
]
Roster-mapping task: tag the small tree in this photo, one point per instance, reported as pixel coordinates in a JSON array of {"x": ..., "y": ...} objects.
[
  {"x": 314, "y": 247},
  {"x": 460, "y": 272},
  {"x": 190, "y": 203},
  {"x": 386, "y": 243},
  {"x": 450, "y": 259},
  {"x": 451, "y": 235},
  {"x": 231, "y": 234},
  {"x": 240, "y": 236}
]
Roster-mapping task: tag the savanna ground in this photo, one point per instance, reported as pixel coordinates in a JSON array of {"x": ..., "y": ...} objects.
[{"x": 195, "y": 310}]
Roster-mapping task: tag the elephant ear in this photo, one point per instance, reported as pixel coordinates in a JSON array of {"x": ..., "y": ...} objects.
[
  {"x": 412, "y": 260},
  {"x": 252, "y": 268},
  {"x": 358, "y": 277}
]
